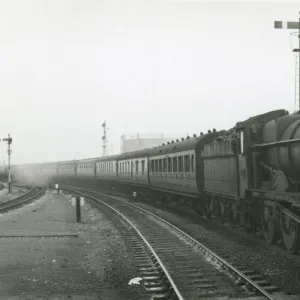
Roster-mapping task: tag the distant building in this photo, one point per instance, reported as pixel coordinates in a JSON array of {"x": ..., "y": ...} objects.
[{"x": 134, "y": 142}]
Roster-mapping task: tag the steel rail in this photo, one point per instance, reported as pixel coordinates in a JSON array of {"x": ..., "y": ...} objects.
[
  {"x": 176, "y": 290},
  {"x": 242, "y": 276},
  {"x": 20, "y": 200}
]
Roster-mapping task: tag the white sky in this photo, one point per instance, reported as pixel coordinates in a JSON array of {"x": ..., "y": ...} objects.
[{"x": 144, "y": 66}]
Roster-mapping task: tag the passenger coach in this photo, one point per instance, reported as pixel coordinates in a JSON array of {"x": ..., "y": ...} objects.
[
  {"x": 176, "y": 169},
  {"x": 107, "y": 170},
  {"x": 133, "y": 170}
]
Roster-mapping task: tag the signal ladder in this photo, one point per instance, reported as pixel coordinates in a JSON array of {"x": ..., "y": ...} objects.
[{"x": 297, "y": 83}]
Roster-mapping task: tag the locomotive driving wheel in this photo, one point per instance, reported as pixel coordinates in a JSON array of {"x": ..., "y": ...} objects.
[
  {"x": 290, "y": 232},
  {"x": 269, "y": 224}
]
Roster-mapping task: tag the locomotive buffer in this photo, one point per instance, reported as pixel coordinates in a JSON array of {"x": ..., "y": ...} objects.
[{"x": 293, "y": 25}]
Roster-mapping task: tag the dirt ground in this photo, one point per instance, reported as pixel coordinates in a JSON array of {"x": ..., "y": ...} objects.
[{"x": 45, "y": 254}]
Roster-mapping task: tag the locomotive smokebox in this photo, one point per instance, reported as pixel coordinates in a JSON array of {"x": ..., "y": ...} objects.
[{"x": 285, "y": 154}]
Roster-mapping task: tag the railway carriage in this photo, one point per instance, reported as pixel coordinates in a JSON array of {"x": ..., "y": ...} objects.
[
  {"x": 133, "y": 171},
  {"x": 66, "y": 172},
  {"x": 86, "y": 168},
  {"x": 107, "y": 170},
  {"x": 176, "y": 170},
  {"x": 173, "y": 168},
  {"x": 86, "y": 172}
]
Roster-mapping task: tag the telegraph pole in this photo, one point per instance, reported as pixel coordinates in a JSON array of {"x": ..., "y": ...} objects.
[
  {"x": 9, "y": 141},
  {"x": 104, "y": 138},
  {"x": 292, "y": 25}
]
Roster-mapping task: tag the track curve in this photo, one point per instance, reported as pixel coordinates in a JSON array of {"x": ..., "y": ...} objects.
[
  {"x": 184, "y": 261},
  {"x": 32, "y": 194}
]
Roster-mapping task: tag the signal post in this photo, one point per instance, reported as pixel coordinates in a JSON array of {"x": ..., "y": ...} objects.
[
  {"x": 9, "y": 141},
  {"x": 292, "y": 25}
]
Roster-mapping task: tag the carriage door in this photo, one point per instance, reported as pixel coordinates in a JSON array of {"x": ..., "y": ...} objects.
[
  {"x": 131, "y": 171},
  {"x": 242, "y": 165}
]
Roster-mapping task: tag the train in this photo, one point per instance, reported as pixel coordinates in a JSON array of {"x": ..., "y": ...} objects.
[{"x": 248, "y": 175}]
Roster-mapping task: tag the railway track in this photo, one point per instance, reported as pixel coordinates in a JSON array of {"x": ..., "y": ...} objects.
[
  {"x": 174, "y": 265},
  {"x": 32, "y": 194}
]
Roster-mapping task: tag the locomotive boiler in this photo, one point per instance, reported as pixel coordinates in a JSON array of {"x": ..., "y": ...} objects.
[{"x": 281, "y": 154}]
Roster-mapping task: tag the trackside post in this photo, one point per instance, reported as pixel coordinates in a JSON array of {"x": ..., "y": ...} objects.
[
  {"x": 9, "y": 141},
  {"x": 78, "y": 202},
  {"x": 57, "y": 188}
]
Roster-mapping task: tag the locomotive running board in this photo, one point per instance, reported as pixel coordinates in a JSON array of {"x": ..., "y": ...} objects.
[{"x": 276, "y": 196}]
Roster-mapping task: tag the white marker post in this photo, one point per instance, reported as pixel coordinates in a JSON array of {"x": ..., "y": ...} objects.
[
  {"x": 134, "y": 194},
  {"x": 78, "y": 201},
  {"x": 57, "y": 188}
]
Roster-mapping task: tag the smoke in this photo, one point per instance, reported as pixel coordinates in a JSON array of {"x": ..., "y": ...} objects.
[{"x": 33, "y": 174}]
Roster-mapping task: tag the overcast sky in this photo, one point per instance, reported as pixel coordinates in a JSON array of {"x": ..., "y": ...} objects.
[{"x": 143, "y": 66}]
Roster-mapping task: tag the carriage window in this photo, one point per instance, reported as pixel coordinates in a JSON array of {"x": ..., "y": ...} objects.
[
  {"x": 187, "y": 163},
  {"x": 169, "y": 164},
  {"x": 180, "y": 164},
  {"x": 136, "y": 166},
  {"x": 192, "y": 164},
  {"x": 164, "y": 165},
  {"x": 143, "y": 167},
  {"x": 175, "y": 164},
  {"x": 160, "y": 165}
]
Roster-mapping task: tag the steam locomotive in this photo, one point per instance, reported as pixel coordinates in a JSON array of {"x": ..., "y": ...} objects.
[{"x": 249, "y": 175}]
